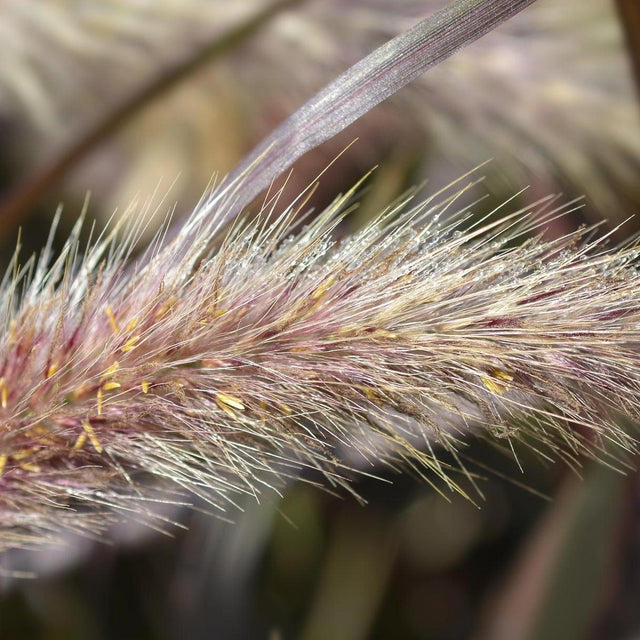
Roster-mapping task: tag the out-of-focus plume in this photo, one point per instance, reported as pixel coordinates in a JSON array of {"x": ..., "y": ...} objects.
[{"x": 550, "y": 90}]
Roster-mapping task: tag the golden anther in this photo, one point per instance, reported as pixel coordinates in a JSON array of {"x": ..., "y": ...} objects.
[
  {"x": 145, "y": 386},
  {"x": 285, "y": 407},
  {"x": 111, "y": 370},
  {"x": 52, "y": 369},
  {"x": 93, "y": 438},
  {"x": 23, "y": 453},
  {"x": 130, "y": 344},
  {"x": 166, "y": 307},
  {"x": 110, "y": 386},
  {"x": 227, "y": 410},
  {"x": 372, "y": 395},
  {"x": 29, "y": 466},
  {"x": 3, "y": 462},
  {"x": 497, "y": 380},
  {"x": 80, "y": 442},
  {"x": 340, "y": 332},
  {"x": 36, "y": 431},
  {"x": 494, "y": 386},
  {"x": 41, "y": 434},
  {"x": 100, "y": 399},
  {"x": 383, "y": 333},
  {"x": 112, "y": 319},
  {"x": 230, "y": 401},
  {"x": 500, "y": 374},
  {"x": 323, "y": 287}
]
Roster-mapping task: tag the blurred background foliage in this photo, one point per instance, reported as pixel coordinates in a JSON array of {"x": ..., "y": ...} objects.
[{"x": 140, "y": 103}]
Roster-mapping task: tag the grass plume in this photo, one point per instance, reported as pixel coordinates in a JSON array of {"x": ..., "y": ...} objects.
[{"x": 218, "y": 372}]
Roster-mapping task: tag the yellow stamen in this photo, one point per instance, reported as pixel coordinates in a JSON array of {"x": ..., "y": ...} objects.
[
  {"x": 497, "y": 380},
  {"x": 112, "y": 319},
  {"x": 111, "y": 370},
  {"x": 130, "y": 344},
  {"x": 13, "y": 325},
  {"x": 3, "y": 463},
  {"x": 110, "y": 386},
  {"x": 166, "y": 307},
  {"x": 100, "y": 398},
  {"x": 372, "y": 395},
  {"x": 216, "y": 313},
  {"x": 52, "y": 369},
  {"x": 23, "y": 453},
  {"x": 38, "y": 430},
  {"x": 323, "y": 287},
  {"x": 501, "y": 375},
  {"x": 41, "y": 434},
  {"x": 29, "y": 466},
  {"x": 80, "y": 442},
  {"x": 93, "y": 438},
  {"x": 494, "y": 386},
  {"x": 230, "y": 401},
  {"x": 285, "y": 407},
  {"x": 145, "y": 386},
  {"x": 227, "y": 410},
  {"x": 133, "y": 323},
  {"x": 383, "y": 333}
]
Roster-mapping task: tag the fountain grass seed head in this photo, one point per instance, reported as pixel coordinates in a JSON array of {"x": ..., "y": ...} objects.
[{"x": 214, "y": 372}]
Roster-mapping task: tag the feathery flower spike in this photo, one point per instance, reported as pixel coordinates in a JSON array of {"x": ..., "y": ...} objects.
[
  {"x": 287, "y": 349},
  {"x": 219, "y": 372}
]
